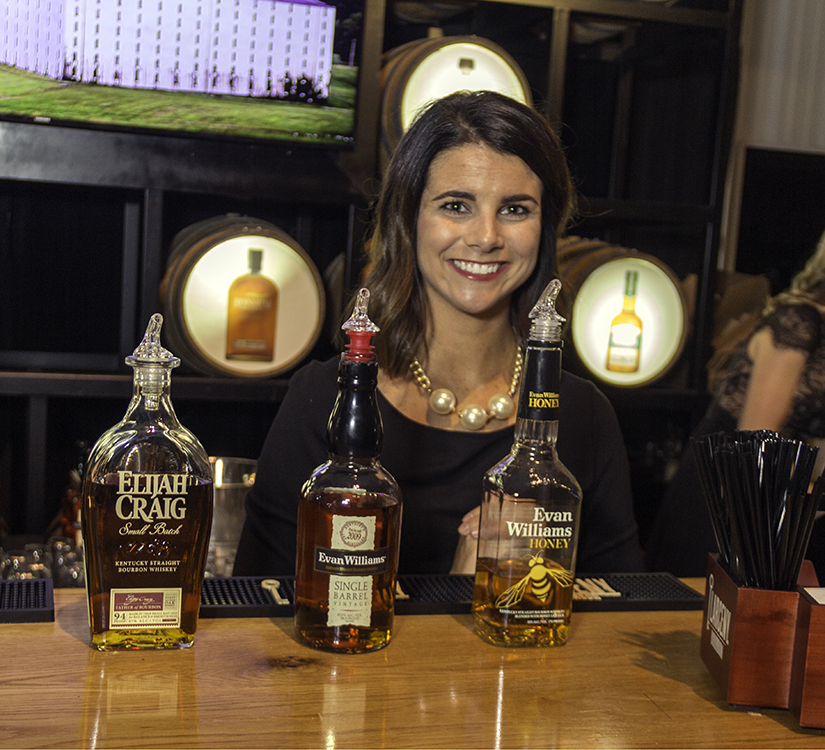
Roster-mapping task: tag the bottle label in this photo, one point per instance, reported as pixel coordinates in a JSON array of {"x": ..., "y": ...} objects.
[
  {"x": 545, "y": 529},
  {"x": 354, "y": 560},
  {"x": 144, "y": 525},
  {"x": 144, "y": 608},
  {"x": 540, "y": 390}
]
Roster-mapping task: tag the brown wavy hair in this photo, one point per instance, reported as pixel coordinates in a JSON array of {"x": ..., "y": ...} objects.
[{"x": 397, "y": 301}]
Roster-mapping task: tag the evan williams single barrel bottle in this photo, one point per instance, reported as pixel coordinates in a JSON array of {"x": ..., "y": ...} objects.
[
  {"x": 529, "y": 524},
  {"x": 146, "y": 516},
  {"x": 349, "y": 515}
]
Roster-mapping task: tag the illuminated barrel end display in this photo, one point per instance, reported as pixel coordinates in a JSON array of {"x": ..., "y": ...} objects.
[
  {"x": 419, "y": 72},
  {"x": 242, "y": 298},
  {"x": 628, "y": 319}
]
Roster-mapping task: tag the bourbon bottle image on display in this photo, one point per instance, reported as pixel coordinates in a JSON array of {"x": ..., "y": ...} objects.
[
  {"x": 146, "y": 516},
  {"x": 252, "y": 314},
  {"x": 624, "y": 345},
  {"x": 349, "y": 515},
  {"x": 529, "y": 525}
]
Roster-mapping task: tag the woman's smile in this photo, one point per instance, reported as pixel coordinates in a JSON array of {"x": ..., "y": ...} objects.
[
  {"x": 478, "y": 228},
  {"x": 478, "y": 271}
]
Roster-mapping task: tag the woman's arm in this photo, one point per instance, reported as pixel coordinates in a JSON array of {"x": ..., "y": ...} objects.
[
  {"x": 772, "y": 387},
  {"x": 295, "y": 446}
]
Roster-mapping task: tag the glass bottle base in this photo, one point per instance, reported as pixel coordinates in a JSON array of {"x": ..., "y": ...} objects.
[
  {"x": 344, "y": 640},
  {"x": 132, "y": 640},
  {"x": 516, "y": 636}
]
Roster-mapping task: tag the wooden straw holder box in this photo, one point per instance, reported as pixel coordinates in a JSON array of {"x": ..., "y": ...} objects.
[
  {"x": 748, "y": 636},
  {"x": 807, "y": 697}
]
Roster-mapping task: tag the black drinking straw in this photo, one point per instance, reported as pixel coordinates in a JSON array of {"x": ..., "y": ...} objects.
[
  {"x": 756, "y": 487},
  {"x": 702, "y": 451}
]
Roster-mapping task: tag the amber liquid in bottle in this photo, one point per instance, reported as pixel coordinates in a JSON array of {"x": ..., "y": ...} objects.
[
  {"x": 528, "y": 530},
  {"x": 252, "y": 314},
  {"x": 624, "y": 347},
  {"x": 349, "y": 517},
  {"x": 146, "y": 517},
  {"x": 349, "y": 613}
]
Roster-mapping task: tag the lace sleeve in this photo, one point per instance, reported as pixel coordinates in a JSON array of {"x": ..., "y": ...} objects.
[{"x": 795, "y": 327}]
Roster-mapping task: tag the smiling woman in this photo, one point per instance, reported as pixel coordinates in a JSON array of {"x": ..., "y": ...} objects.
[
  {"x": 479, "y": 228},
  {"x": 462, "y": 245}
]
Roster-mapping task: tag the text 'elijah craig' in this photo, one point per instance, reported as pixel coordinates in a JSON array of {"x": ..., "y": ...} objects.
[
  {"x": 147, "y": 514},
  {"x": 349, "y": 515}
]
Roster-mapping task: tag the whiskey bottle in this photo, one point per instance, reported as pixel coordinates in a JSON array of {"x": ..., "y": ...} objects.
[
  {"x": 529, "y": 525},
  {"x": 349, "y": 515},
  {"x": 624, "y": 345},
  {"x": 252, "y": 313},
  {"x": 146, "y": 516}
]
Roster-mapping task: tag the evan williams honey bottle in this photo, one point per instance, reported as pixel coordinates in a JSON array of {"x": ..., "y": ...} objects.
[
  {"x": 529, "y": 524},
  {"x": 146, "y": 516},
  {"x": 349, "y": 515}
]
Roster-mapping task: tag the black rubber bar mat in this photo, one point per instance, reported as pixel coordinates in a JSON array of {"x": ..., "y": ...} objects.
[
  {"x": 28, "y": 600},
  {"x": 444, "y": 594}
]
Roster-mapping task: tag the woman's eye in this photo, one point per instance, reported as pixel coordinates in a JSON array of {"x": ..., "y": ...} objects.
[
  {"x": 515, "y": 210},
  {"x": 454, "y": 207}
]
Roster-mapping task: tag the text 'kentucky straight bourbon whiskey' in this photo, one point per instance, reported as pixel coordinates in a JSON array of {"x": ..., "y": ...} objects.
[
  {"x": 252, "y": 314},
  {"x": 529, "y": 525},
  {"x": 349, "y": 515},
  {"x": 146, "y": 516}
]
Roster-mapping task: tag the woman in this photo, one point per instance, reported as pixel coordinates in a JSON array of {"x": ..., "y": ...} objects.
[
  {"x": 463, "y": 243},
  {"x": 775, "y": 381}
]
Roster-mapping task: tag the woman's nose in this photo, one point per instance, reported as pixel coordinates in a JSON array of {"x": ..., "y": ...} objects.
[{"x": 484, "y": 232}]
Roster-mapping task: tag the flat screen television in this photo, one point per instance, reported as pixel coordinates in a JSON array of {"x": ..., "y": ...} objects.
[{"x": 243, "y": 69}]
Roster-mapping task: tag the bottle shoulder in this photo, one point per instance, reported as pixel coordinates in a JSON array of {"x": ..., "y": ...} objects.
[
  {"x": 143, "y": 448},
  {"x": 523, "y": 468},
  {"x": 355, "y": 477}
]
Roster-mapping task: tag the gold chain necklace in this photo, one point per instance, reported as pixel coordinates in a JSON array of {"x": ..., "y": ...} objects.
[{"x": 473, "y": 417}]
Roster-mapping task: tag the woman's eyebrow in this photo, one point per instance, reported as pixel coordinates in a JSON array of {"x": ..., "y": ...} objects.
[
  {"x": 454, "y": 194},
  {"x": 519, "y": 197}
]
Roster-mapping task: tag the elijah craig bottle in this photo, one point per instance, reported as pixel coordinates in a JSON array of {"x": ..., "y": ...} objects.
[
  {"x": 529, "y": 523},
  {"x": 146, "y": 516},
  {"x": 349, "y": 515}
]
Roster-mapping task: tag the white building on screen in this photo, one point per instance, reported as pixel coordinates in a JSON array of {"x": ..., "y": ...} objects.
[{"x": 243, "y": 47}]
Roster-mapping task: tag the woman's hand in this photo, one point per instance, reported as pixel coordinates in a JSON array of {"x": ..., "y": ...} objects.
[
  {"x": 464, "y": 562},
  {"x": 773, "y": 383},
  {"x": 469, "y": 523}
]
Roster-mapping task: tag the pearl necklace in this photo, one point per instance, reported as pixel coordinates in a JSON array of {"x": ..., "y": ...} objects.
[{"x": 472, "y": 417}]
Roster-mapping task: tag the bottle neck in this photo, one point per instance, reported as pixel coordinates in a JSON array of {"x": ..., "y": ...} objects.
[
  {"x": 150, "y": 393},
  {"x": 537, "y": 421},
  {"x": 629, "y": 304},
  {"x": 629, "y": 301},
  {"x": 354, "y": 431}
]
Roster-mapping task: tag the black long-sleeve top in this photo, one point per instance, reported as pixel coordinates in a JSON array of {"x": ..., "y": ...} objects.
[{"x": 440, "y": 475}]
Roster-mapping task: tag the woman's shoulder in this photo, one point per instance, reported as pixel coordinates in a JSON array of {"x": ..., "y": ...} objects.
[
  {"x": 800, "y": 306},
  {"x": 580, "y": 388},
  {"x": 313, "y": 386},
  {"x": 796, "y": 324},
  {"x": 315, "y": 372}
]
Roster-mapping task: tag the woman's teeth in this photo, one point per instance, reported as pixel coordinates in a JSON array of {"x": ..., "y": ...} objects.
[{"x": 477, "y": 268}]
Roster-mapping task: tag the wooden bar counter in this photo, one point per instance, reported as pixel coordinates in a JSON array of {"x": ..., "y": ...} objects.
[{"x": 625, "y": 679}]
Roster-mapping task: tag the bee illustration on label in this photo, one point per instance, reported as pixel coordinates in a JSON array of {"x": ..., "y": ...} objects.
[{"x": 541, "y": 577}]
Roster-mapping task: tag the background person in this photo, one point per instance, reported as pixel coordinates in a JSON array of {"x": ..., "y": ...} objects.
[{"x": 775, "y": 381}]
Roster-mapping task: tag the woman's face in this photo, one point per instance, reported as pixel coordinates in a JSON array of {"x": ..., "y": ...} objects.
[{"x": 478, "y": 229}]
